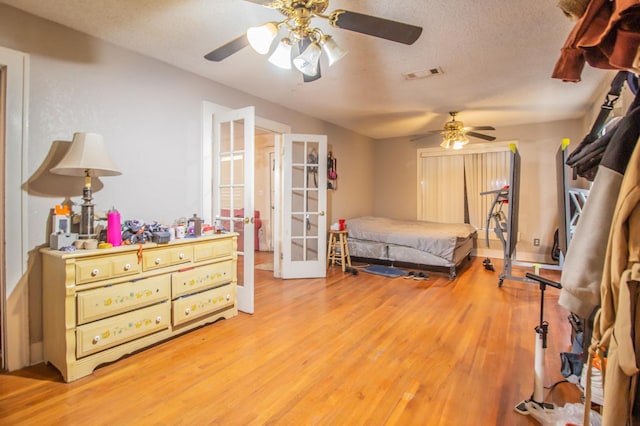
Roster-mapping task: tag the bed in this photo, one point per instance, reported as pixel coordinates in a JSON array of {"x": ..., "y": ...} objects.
[{"x": 410, "y": 243}]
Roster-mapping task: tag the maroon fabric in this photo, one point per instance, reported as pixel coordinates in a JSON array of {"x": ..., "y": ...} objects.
[{"x": 607, "y": 36}]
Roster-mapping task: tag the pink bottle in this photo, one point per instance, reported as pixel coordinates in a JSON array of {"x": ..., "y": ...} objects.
[{"x": 114, "y": 229}]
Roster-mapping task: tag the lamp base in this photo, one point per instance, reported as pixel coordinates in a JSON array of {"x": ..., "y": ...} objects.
[{"x": 86, "y": 215}]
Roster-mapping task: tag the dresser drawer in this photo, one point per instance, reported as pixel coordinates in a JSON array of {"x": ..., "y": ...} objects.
[
  {"x": 191, "y": 307},
  {"x": 201, "y": 278},
  {"x": 108, "y": 301},
  {"x": 105, "y": 267},
  {"x": 213, "y": 249},
  {"x": 153, "y": 259},
  {"x": 109, "y": 332}
]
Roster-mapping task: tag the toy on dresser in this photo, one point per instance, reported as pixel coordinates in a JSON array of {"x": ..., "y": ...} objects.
[{"x": 61, "y": 235}]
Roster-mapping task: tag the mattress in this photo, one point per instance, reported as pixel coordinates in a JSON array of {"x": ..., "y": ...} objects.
[{"x": 437, "y": 239}]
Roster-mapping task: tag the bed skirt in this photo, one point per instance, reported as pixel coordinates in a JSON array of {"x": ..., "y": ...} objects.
[{"x": 407, "y": 257}]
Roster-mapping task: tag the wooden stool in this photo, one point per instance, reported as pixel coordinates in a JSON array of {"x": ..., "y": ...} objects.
[{"x": 338, "y": 241}]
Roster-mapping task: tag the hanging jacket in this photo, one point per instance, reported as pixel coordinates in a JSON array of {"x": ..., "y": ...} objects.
[
  {"x": 607, "y": 36},
  {"x": 584, "y": 263},
  {"x": 618, "y": 321}
]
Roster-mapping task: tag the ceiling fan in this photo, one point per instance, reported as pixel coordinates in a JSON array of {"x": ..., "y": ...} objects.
[
  {"x": 311, "y": 42},
  {"x": 455, "y": 133}
]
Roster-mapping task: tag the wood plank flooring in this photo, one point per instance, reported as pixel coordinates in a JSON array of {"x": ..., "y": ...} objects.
[{"x": 345, "y": 350}]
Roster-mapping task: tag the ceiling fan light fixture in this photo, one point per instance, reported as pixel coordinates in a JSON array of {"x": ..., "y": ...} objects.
[
  {"x": 331, "y": 49},
  {"x": 281, "y": 57},
  {"x": 307, "y": 61},
  {"x": 260, "y": 38},
  {"x": 454, "y": 139}
]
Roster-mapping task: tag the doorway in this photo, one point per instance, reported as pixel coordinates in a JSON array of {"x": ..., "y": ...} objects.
[{"x": 265, "y": 197}]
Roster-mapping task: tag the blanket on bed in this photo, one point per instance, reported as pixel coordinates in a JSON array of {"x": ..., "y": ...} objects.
[{"x": 439, "y": 239}]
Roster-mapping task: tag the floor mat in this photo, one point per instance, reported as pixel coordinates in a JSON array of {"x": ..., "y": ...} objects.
[
  {"x": 385, "y": 271},
  {"x": 266, "y": 266}
]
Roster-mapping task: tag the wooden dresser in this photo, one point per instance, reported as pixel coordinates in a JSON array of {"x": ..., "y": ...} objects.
[{"x": 99, "y": 305}]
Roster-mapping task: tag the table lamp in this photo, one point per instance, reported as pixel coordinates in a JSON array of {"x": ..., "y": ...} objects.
[{"x": 86, "y": 157}]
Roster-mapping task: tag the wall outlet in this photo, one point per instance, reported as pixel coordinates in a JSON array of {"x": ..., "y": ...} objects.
[{"x": 536, "y": 242}]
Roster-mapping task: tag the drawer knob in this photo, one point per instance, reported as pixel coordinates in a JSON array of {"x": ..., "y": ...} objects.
[
  {"x": 95, "y": 272},
  {"x": 158, "y": 260},
  {"x": 181, "y": 256},
  {"x": 96, "y": 339},
  {"x": 158, "y": 319},
  {"x": 228, "y": 297},
  {"x": 127, "y": 266},
  {"x": 187, "y": 311}
]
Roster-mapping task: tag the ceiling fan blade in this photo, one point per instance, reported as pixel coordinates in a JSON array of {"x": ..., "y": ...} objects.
[
  {"x": 481, "y": 136},
  {"x": 480, "y": 128},
  {"x": 228, "y": 49},
  {"x": 377, "y": 27}
]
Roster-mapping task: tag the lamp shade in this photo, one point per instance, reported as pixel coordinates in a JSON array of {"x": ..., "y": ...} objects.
[
  {"x": 307, "y": 61},
  {"x": 260, "y": 38},
  {"x": 87, "y": 156},
  {"x": 331, "y": 49},
  {"x": 281, "y": 57}
]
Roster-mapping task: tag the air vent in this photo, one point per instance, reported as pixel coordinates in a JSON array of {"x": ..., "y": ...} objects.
[{"x": 415, "y": 75}]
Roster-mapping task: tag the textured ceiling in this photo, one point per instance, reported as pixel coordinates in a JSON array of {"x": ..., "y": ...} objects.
[{"x": 496, "y": 55}]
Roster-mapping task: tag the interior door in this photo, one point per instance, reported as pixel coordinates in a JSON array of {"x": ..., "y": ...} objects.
[
  {"x": 233, "y": 160},
  {"x": 304, "y": 222}
]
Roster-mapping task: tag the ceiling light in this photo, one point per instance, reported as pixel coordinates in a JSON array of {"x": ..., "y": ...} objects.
[
  {"x": 260, "y": 38},
  {"x": 281, "y": 57},
  {"x": 307, "y": 61},
  {"x": 298, "y": 23},
  {"x": 455, "y": 139},
  {"x": 311, "y": 42},
  {"x": 457, "y": 145},
  {"x": 333, "y": 51}
]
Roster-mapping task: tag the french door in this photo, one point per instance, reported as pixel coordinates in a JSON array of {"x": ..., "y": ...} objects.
[
  {"x": 304, "y": 220},
  {"x": 233, "y": 192}
]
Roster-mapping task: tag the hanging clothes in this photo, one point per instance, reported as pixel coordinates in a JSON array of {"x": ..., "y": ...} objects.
[
  {"x": 587, "y": 156},
  {"x": 584, "y": 263},
  {"x": 616, "y": 328},
  {"x": 607, "y": 36}
]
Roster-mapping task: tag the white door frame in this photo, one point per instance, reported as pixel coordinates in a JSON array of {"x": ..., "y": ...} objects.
[{"x": 15, "y": 343}]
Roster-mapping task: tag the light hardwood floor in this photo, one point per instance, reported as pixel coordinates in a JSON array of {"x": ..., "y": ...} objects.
[{"x": 345, "y": 350}]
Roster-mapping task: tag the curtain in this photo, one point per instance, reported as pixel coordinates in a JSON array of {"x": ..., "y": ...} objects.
[
  {"x": 449, "y": 182},
  {"x": 484, "y": 172},
  {"x": 442, "y": 183}
]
